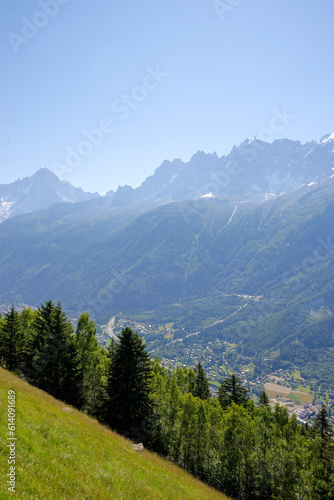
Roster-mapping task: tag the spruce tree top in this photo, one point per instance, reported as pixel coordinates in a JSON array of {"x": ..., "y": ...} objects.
[{"x": 231, "y": 391}]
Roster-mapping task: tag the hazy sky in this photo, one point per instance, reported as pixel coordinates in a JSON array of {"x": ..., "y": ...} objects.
[{"x": 102, "y": 92}]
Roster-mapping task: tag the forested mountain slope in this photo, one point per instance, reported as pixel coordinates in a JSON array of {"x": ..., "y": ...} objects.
[
  {"x": 250, "y": 271},
  {"x": 146, "y": 257}
]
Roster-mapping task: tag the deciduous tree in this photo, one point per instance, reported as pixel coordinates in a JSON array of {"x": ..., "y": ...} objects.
[{"x": 91, "y": 365}]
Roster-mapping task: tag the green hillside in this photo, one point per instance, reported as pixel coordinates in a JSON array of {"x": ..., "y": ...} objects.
[
  {"x": 63, "y": 454},
  {"x": 107, "y": 261},
  {"x": 256, "y": 275}
]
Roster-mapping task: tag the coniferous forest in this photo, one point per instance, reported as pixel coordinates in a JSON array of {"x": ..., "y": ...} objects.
[{"x": 245, "y": 449}]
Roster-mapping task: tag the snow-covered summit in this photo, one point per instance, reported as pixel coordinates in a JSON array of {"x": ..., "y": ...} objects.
[
  {"x": 40, "y": 190},
  {"x": 327, "y": 138}
]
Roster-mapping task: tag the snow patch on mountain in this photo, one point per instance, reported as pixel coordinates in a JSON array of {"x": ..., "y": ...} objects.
[
  {"x": 326, "y": 138},
  {"x": 5, "y": 209},
  {"x": 175, "y": 176},
  {"x": 309, "y": 152},
  {"x": 41, "y": 190}
]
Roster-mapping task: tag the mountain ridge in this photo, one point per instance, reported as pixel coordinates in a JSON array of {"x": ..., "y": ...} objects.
[
  {"x": 38, "y": 191},
  {"x": 251, "y": 268},
  {"x": 254, "y": 166},
  {"x": 164, "y": 252}
]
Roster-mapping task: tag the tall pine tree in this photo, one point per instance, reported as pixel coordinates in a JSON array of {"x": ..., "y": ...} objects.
[
  {"x": 55, "y": 358},
  {"x": 202, "y": 389},
  {"x": 231, "y": 391},
  {"x": 11, "y": 340},
  {"x": 264, "y": 400},
  {"x": 129, "y": 406},
  {"x": 324, "y": 470},
  {"x": 322, "y": 424}
]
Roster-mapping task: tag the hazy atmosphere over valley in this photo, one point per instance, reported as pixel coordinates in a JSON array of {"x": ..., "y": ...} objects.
[{"x": 167, "y": 249}]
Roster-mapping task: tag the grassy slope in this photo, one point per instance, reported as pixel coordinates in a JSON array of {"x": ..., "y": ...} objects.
[{"x": 67, "y": 455}]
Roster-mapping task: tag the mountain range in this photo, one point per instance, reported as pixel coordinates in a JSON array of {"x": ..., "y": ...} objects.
[
  {"x": 254, "y": 167},
  {"x": 251, "y": 260},
  {"x": 146, "y": 256},
  {"x": 168, "y": 250},
  {"x": 38, "y": 191}
]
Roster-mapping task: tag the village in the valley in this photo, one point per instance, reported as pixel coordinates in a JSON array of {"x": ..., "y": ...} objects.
[{"x": 284, "y": 387}]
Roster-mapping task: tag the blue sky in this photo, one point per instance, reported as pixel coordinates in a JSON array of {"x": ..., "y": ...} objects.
[{"x": 102, "y": 92}]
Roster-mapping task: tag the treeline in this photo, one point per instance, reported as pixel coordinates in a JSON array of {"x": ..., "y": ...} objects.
[
  {"x": 245, "y": 450},
  {"x": 43, "y": 347}
]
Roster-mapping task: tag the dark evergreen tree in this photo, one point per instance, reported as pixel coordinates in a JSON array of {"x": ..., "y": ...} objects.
[
  {"x": 202, "y": 389},
  {"x": 37, "y": 327},
  {"x": 11, "y": 340},
  {"x": 231, "y": 391},
  {"x": 324, "y": 470},
  {"x": 263, "y": 399},
  {"x": 129, "y": 406},
  {"x": 55, "y": 359},
  {"x": 43, "y": 323},
  {"x": 2, "y": 322},
  {"x": 322, "y": 424}
]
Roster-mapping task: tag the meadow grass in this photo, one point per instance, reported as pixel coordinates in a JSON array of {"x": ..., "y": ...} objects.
[
  {"x": 64, "y": 454},
  {"x": 296, "y": 375},
  {"x": 304, "y": 397}
]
